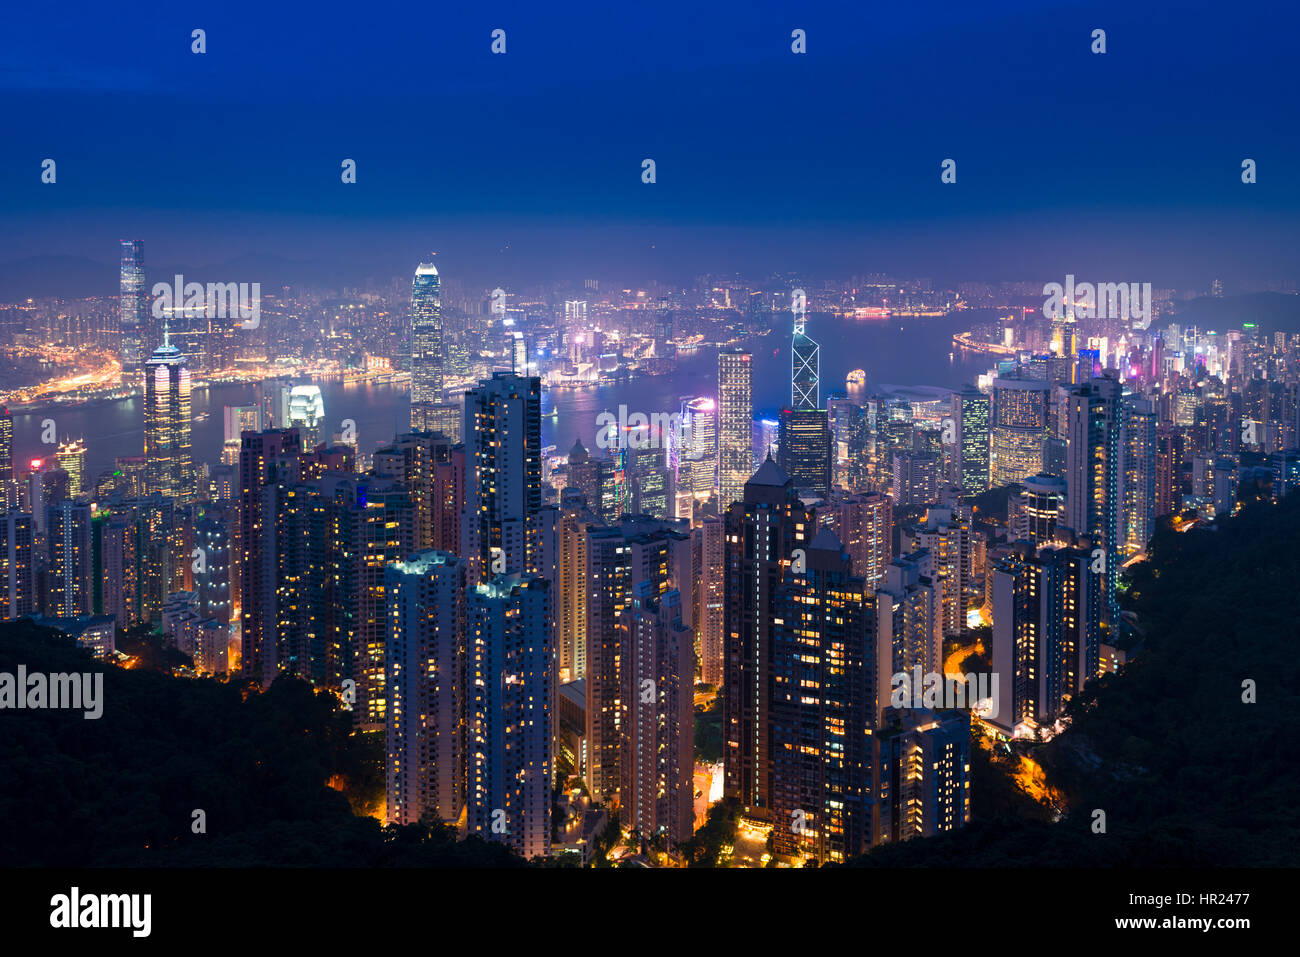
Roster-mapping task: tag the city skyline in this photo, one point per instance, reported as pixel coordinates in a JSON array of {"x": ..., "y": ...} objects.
[{"x": 849, "y": 439}]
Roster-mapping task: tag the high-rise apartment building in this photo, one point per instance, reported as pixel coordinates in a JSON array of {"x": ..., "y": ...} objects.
[
  {"x": 864, "y": 524},
  {"x": 821, "y": 715},
  {"x": 620, "y": 557},
  {"x": 766, "y": 533},
  {"x": 17, "y": 565},
  {"x": 509, "y": 712},
  {"x": 425, "y": 722},
  {"x": 1093, "y": 479},
  {"x": 656, "y": 792},
  {"x": 503, "y": 474}
]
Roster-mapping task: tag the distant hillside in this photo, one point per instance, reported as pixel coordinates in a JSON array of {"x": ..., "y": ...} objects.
[{"x": 1270, "y": 311}]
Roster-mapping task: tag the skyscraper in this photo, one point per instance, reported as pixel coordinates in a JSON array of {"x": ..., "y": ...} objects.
[
  {"x": 425, "y": 732},
  {"x": 822, "y": 672},
  {"x": 909, "y": 623},
  {"x": 656, "y": 794},
  {"x": 6, "y": 451},
  {"x": 805, "y": 363},
  {"x": 970, "y": 412},
  {"x": 619, "y": 557},
  {"x": 1093, "y": 479},
  {"x": 1138, "y": 467},
  {"x": 503, "y": 474},
  {"x": 509, "y": 712},
  {"x": 864, "y": 524},
  {"x": 710, "y": 557},
  {"x": 17, "y": 565},
  {"x": 71, "y": 456},
  {"x": 133, "y": 314},
  {"x": 69, "y": 550},
  {"x": 762, "y": 535},
  {"x": 1019, "y": 409},
  {"x": 167, "y": 440},
  {"x": 426, "y": 341},
  {"x": 697, "y": 448},
  {"x": 804, "y": 448},
  {"x": 924, "y": 775},
  {"x": 735, "y": 425},
  {"x": 1046, "y": 635}
]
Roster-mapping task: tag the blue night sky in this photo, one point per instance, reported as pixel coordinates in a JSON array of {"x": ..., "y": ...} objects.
[{"x": 528, "y": 165}]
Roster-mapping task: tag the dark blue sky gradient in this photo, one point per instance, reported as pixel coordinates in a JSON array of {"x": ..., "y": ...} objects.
[{"x": 528, "y": 165}]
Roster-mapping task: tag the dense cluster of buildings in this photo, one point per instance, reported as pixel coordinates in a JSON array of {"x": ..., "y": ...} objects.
[{"x": 510, "y": 619}]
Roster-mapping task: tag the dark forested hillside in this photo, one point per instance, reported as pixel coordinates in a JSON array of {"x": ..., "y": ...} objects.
[
  {"x": 122, "y": 790},
  {"x": 1185, "y": 771}
]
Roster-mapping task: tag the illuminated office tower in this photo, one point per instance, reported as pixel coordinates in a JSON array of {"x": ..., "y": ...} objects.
[
  {"x": 1019, "y": 408},
  {"x": 804, "y": 449},
  {"x": 17, "y": 566},
  {"x": 650, "y": 482},
  {"x": 735, "y": 425},
  {"x": 69, "y": 550},
  {"x": 1138, "y": 466},
  {"x": 909, "y": 623},
  {"x": 425, "y": 733},
  {"x": 619, "y": 557},
  {"x": 426, "y": 342},
  {"x": 1035, "y": 513},
  {"x": 503, "y": 474},
  {"x": 946, "y": 534},
  {"x": 710, "y": 553},
  {"x": 169, "y": 466},
  {"x": 1046, "y": 637},
  {"x": 805, "y": 365},
  {"x": 656, "y": 794},
  {"x": 864, "y": 524},
  {"x": 924, "y": 775},
  {"x": 71, "y": 456},
  {"x": 697, "y": 460},
  {"x": 133, "y": 306},
  {"x": 970, "y": 414},
  {"x": 307, "y": 414},
  {"x": 848, "y": 428},
  {"x": 1093, "y": 479},
  {"x": 211, "y": 567},
  {"x": 509, "y": 713},
  {"x": 822, "y": 674},
  {"x": 762, "y": 534}
]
